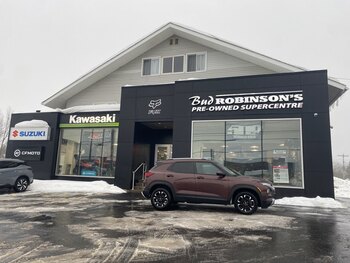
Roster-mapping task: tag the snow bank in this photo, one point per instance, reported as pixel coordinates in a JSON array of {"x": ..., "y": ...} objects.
[
  {"x": 90, "y": 108},
  {"x": 32, "y": 124},
  {"x": 59, "y": 186},
  {"x": 310, "y": 202},
  {"x": 341, "y": 188}
]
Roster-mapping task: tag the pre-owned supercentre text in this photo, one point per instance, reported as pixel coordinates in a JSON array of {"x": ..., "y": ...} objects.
[{"x": 245, "y": 102}]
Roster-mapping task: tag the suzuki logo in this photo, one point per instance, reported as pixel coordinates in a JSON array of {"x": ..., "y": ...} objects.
[
  {"x": 155, "y": 103},
  {"x": 15, "y": 133}
]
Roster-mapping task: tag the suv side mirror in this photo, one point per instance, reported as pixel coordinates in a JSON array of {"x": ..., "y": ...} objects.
[{"x": 221, "y": 174}]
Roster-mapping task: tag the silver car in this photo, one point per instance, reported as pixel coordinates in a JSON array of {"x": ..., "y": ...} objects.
[{"x": 15, "y": 173}]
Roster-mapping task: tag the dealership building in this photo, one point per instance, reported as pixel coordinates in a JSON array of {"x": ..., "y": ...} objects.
[{"x": 177, "y": 93}]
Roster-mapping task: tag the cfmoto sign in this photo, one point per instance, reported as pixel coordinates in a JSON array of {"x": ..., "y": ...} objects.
[{"x": 28, "y": 153}]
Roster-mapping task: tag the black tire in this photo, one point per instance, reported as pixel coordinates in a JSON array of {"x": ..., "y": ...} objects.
[
  {"x": 161, "y": 199},
  {"x": 21, "y": 184},
  {"x": 246, "y": 203}
]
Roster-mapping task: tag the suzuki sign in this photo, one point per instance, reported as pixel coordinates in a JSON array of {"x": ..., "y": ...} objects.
[{"x": 30, "y": 134}]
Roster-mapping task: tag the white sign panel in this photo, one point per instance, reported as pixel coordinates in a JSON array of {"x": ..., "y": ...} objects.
[
  {"x": 280, "y": 174},
  {"x": 30, "y": 134}
]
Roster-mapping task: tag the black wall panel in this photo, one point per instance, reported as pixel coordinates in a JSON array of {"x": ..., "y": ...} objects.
[
  {"x": 44, "y": 168},
  {"x": 318, "y": 176}
]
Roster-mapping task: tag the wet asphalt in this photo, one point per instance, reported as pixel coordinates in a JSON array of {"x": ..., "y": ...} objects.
[{"x": 75, "y": 227}]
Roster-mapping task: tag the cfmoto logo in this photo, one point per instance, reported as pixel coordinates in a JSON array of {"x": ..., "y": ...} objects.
[
  {"x": 17, "y": 153},
  {"x": 15, "y": 133}
]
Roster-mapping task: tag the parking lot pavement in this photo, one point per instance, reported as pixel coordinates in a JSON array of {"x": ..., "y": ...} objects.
[{"x": 67, "y": 227}]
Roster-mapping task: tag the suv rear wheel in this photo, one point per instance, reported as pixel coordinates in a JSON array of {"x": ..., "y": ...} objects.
[
  {"x": 161, "y": 199},
  {"x": 21, "y": 184},
  {"x": 246, "y": 203}
]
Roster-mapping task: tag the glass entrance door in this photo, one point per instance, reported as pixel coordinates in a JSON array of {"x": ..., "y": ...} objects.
[{"x": 163, "y": 152}]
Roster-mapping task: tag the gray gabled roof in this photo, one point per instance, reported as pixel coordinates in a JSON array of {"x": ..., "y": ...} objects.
[{"x": 58, "y": 99}]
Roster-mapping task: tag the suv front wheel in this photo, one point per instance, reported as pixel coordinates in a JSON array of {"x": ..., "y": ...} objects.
[
  {"x": 161, "y": 199},
  {"x": 246, "y": 203}
]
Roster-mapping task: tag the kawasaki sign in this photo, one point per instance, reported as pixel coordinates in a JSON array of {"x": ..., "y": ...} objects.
[
  {"x": 89, "y": 120},
  {"x": 248, "y": 101}
]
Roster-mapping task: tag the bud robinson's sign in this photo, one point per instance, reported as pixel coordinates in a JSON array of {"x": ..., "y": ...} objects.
[{"x": 248, "y": 101}]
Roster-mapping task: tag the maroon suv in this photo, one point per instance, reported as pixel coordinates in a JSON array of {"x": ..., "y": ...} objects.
[{"x": 205, "y": 181}]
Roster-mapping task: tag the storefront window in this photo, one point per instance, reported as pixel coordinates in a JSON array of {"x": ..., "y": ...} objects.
[
  {"x": 264, "y": 148},
  {"x": 243, "y": 147},
  {"x": 88, "y": 152},
  {"x": 282, "y": 152},
  {"x": 209, "y": 140}
]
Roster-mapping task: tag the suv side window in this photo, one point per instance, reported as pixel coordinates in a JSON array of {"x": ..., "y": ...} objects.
[
  {"x": 13, "y": 164},
  {"x": 4, "y": 164},
  {"x": 207, "y": 168},
  {"x": 182, "y": 167}
]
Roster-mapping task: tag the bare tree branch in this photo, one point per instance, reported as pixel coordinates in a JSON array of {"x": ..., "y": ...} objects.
[{"x": 5, "y": 119}]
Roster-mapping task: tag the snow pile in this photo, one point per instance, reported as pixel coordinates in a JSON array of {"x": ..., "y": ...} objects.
[
  {"x": 32, "y": 124},
  {"x": 91, "y": 108},
  {"x": 341, "y": 188},
  {"x": 59, "y": 186},
  {"x": 310, "y": 202}
]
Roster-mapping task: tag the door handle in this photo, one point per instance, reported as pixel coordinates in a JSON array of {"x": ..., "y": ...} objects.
[
  {"x": 200, "y": 177},
  {"x": 169, "y": 175}
]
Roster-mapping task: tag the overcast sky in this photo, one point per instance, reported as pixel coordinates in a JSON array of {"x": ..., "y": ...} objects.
[{"x": 47, "y": 44}]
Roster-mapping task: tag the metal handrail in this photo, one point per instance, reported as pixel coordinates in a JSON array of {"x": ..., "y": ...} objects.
[{"x": 143, "y": 165}]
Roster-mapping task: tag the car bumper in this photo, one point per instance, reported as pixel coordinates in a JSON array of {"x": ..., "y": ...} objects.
[
  {"x": 145, "y": 193},
  {"x": 268, "y": 202}
]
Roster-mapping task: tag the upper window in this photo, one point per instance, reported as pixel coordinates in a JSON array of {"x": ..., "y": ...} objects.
[
  {"x": 173, "y": 64},
  {"x": 150, "y": 66},
  {"x": 196, "y": 62}
]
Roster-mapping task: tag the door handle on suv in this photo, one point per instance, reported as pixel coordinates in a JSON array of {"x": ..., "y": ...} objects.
[
  {"x": 200, "y": 177},
  {"x": 169, "y": 175}
]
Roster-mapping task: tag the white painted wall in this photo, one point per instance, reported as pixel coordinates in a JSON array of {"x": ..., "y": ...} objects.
[{"x": 219, "y": 64}]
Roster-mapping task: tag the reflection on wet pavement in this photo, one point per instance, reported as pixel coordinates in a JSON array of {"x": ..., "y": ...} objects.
[{"x": 124, "y": 228}]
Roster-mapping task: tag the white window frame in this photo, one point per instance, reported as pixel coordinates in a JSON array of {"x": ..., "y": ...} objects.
[
  {"x": 205, "y": 61},
  {"x": 278, "y": 119},
  {"x": 152, "y": 58},
  {"x": 172, "y": 66}
]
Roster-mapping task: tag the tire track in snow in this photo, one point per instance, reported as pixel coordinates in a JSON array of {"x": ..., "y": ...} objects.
[
  {"x": 18, "y": 254},
  {"x": 104, "y": 251},
  {"x": 128, "y": 251}
]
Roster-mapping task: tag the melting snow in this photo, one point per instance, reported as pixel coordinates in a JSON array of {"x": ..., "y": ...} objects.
[
  {"x": 57, "y": 186},
  {"x": 46, "y": 186}
]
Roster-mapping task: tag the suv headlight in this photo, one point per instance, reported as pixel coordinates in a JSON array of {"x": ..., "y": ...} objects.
[
  {"x": 267, "y": 184},
  {"x": 270, "y": 187}
]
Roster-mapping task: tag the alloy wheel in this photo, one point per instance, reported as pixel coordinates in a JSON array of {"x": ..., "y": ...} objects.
[
  {"x": 160, "y": 199},
  {"x": 21, "y": 185},
  {"x": 246, "y": 203}
]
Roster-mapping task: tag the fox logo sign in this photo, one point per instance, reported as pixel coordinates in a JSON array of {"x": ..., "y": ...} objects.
[{"x": 155, "y": 103}]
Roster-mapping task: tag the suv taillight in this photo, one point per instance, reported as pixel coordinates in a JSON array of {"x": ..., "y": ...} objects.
[{"x": 148, "y": 174}]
